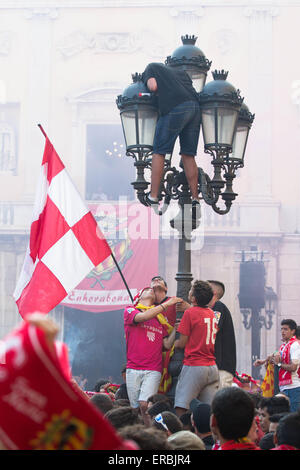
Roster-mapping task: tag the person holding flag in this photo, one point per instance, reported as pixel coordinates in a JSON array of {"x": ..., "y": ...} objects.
[{"x": 287, "y": 359}]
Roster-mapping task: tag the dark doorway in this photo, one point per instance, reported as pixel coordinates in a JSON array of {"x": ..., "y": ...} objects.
[{"x": 96, "y": 344}]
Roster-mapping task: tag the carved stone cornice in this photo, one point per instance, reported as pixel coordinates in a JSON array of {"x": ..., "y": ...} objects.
[
  {"x": 197, "y": 12},
  {"x": 21, "y": 4},
  {"x": 67, "y": 4},
  {"x": 261, "y": 11}
]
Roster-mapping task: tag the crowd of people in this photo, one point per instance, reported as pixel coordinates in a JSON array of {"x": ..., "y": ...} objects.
[{"x": 212, "y": 409}]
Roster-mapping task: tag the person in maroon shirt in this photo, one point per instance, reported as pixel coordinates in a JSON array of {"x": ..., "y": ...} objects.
[
  {"x": 145, "y": 339},
  {"x": 160, "y": 288}
]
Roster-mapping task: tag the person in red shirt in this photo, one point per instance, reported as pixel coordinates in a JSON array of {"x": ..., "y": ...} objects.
[
  {"x": 160, "y": 288},
  {"x": 199, "y": 376},
  {"x": 287, "y": 434},
  {"x": 232, "y": 419}
]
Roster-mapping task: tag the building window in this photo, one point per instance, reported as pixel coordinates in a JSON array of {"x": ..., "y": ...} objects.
[
  {"x": 109, "y": 171},
  {"x": 7, "y": 149},
  {"x": 9, "y": 118}
]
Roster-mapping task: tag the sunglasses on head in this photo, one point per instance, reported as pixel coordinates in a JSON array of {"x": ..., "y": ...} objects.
[{"x": 159, "y": 419}]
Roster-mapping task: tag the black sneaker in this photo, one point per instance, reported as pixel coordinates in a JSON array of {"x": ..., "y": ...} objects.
[
  {"x": 153, "y": 204},
  {"x": 196, "y": 210},
  {"x": 150, "y": 202}
]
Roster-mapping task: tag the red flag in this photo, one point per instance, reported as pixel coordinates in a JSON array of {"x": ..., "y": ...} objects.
[
  {"x": 65, "y": 240},
  {"x": 40, "y": 408}
]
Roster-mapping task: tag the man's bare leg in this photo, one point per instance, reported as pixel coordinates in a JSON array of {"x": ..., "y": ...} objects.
[
  {"x": 143, "y": 410},
  {"x": 156, "y": 174},
  {"x": 191, "y": 172}
]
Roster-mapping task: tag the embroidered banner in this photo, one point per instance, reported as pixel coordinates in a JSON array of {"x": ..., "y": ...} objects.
[{"x": 132, "y": 231}]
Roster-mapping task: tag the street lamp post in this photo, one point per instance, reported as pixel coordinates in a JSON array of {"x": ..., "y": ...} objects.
[{"x": 221, "y": 105}]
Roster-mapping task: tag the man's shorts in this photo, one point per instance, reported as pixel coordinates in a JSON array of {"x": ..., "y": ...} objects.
[
  {"x": 196, "y": 382},
  {"x": 183, "y": 121},
  {"x": 141, "y": 384}
]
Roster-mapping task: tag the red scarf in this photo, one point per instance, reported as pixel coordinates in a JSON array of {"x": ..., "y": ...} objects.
[
  {"x": 285, "y": 447},
  {"x": 285, "y": 376},
  {"x": 39, "y": 406},
  {"x": 234, "y": 445}
]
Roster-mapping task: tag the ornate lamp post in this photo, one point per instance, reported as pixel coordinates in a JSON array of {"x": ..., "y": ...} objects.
[{"x": 220, "y": 106}]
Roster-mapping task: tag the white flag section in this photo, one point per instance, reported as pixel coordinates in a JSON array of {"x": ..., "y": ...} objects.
[{"x": 65, "y": 241}]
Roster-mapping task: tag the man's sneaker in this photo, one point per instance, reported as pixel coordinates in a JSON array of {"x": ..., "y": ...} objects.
[
  {"x": 196, "y": 209},
  {"x": 196, "y": 213},
  {"x": 149, "y": 201}
]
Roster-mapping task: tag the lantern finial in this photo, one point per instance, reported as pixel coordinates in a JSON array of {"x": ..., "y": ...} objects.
[{"x": 220, "y": 75}]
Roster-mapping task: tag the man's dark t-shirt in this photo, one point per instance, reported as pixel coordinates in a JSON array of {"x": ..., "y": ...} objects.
[
  {"x": 173, "y": 86},
  {"x": 225, "y": 345}
]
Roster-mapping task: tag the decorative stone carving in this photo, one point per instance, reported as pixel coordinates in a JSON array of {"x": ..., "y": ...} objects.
[
  {"x": 187, "y": 19},
  {"x": 184, "y": 11},
  {"x": 295, "y": 95},
  {"x": 261, "y": 10},
  {"x": 124, "y": 42},
  {"x": 75, "y": 43},
  {"x": 296, "y": 92},
  {"x": 41, "y": 13},
  {"x": 117, "y": 42},
  {"x": 226, "y": 39},
  {"x": 5, "y": 42}
]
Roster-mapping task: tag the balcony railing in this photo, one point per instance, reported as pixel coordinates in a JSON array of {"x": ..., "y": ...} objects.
[{"x": 17, "y": 216}]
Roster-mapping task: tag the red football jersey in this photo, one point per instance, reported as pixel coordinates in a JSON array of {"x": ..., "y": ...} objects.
[{"x": 200, "y": 325}]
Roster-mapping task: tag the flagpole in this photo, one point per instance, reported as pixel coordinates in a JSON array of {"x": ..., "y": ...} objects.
[
  {"x": 121, "y": 274},
  {"x": 42, "y": 129}
]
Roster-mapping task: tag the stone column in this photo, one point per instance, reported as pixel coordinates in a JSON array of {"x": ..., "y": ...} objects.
[
  {"x": 37, "y": 95},
  {"x": 259, "y": 211},
  {"x": 259, "y": 99}
]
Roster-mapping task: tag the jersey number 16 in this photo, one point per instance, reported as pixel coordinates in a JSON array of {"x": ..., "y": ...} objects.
[{"x": 211, "y": 330}]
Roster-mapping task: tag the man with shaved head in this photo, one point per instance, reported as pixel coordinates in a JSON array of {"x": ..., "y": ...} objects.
[{"x": 225, "y": 345}]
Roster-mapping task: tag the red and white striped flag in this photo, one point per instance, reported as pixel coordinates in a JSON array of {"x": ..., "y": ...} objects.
[{"x": 65, "y": 240}]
